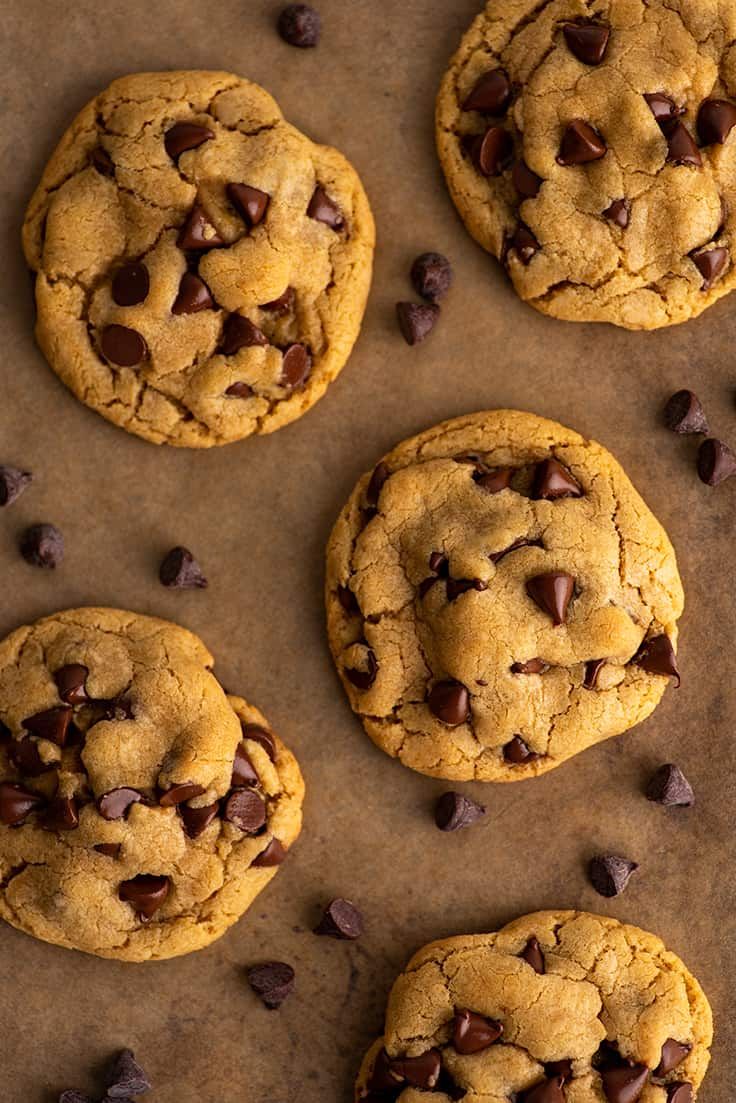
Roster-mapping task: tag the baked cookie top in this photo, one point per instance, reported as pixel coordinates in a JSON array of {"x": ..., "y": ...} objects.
[
  {"x": 141, "y": 807},
  {"x": 201, "y": 266},
  {"x": 557, "y": 1007},
  {"x": 587, "y": 144},
  {"x": 499, "y": 598}
]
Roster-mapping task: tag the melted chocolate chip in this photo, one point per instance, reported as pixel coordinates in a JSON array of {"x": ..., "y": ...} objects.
[
  {"x": 300, "y": 25},
  {"x": 123, "y": 346},
  {"x": 421, "y": 1072},
  {"x": 533, "y": 955},
  {"x": 363, "y": 679},
  {"x": 680, "y": 1092},
  {"x": 490, "y": 95},
  {"x": 239, "y": 390},
  {"x": 243, "y": 773},
  {"x": 681, "y": 147},
  {"x": 273, "y": 855},
  {"x": 16, "y": 803},
  {"x": 523, "y": 243},
  {"x": 197, "y": 820},
  {"x": 246, "y": 809},
  {"x": 114, "y": 804},
  {"x": 70, "y": 682},
  {"x": 239, "y": 333},
  {"x": 193, "y": 296},
  {"x": 130, "y": 284},
  {"x": 416, "y": 320},
  {"x": 472, "y": 1033},
  {"x": 553, "y": 481},
  {"x": 431, "y": 275},
  {"x": 13, "y": 482},
  {"x": 52, "y": 724},
  {"x": 250, "y": 203},
  {"x": 262, "y": 737},
  {"x": 610, "y": 873},
  {"x": 549, "y": 1091},
  {"x": 494, "y": 481},
  {"x": 183, "y": 136},
  {"x": 716, "y": 120},
  {"x": 664, "y": 109},
  {"x": 657, "y": 656},
  {"x": 272, "y": 982},
  {"x": 295, "y": 366},
  {"x": 587, "y": 40},
  {"x": 526, "y": 182},
  {"x": 522, "y": 542},
  {"x": 179, "y": 570},
  {"x": 593, "y": 668},
  {"x": 342, "y": 920},
  {"x": 531, "y": 666},
  {"x": 178, "y": 794},
  {"x": 25, "y": 756},
  {"x": 517, "y": 752},
  {"x": 552, "y": 593},
  {"x": 110, "y": 850},
  {"x": 348, "y": 600},
  {"x": 323, "y": 209},
  {"x": 61, "y": 814},
  {"x": 618, "y": 213},
  {"x": 711, "y": 262},
  {"x": 198, "y": 233},
  {"x": 102, "y": 161},
  {"x": 580, "y": 144},
  {"x": 669, "y": 786},
  {"x": 454, "y": 811},
  {"x": 449, "y": 701},
  {"x": 458, "y": 586},
  {"x": 673, "y": 1054},
  {"x": 492, "y": 152},
  {"x": 283, "y": 304},
  {"x": 146, "y": 893},
  {"x": 625, "y": 1083},
  {"x": 685, "y": 414}
]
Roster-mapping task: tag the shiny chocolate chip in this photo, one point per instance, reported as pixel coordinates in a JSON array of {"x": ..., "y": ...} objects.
[
  {"x": 198, "y": 233},
  {"x": 114, "y": 804},
  {"x": 449, "y": 701},
  {"x": 580, "y": 144},
  {"x": 587, "y": 40},
  {"x": 52, "y": 724},
  {"x": 70, "y": 682},
  {"x": 323, "y": 209},
  {"x": 246, "y": 810},
  {"x": 552, "y": 592},
  {"x": 16, "y": 803},
  {"x": 240, "y": 333},
  {"x": 178, "y": 794},
  {"x": 146, "y": 893},
  {"x": 534, "y": 956},
  {"x": 123, "y": 346},
  {"x": 517, "y": 752},
  {"x": 130, "y": 284},
  {"x": 193, "y": 295},
  {"x": 472, "y": 1033},
  {"x": 184, "y": 136},
  {"x": 273, "y": 855},
  {"x": 250, "y": 203},
  {"x": 490, "y": 95}
]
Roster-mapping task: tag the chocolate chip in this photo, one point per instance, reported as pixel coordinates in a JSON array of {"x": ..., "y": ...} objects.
[
  {"x": 531, "y": 666},
  {"x": 193, "y": 295},
  {"x": 381, "y": 1078},
  {"x": 272, "y": 982},
  {"x": 421, "y": 1072},
  {"x": 522, "y": 542},
  {"x": 431, "y": 274},
  {"x": 449, "y": 701},
  {"x": 273, "y": 855},
  {"x": 179, "y": 570},
  {"x": 342, "y": 920},
  {"x": 295, "y": 366},
  {"x": 553, "y": 481},
  {"x": 24, "y": 754},
  {"x": 472, "y": 1033},
  {"x": 102, "y": 161},
  {"x": 526, "y": 182},
  {"x": 549, "y": 1091},
  {"x": 239, "y": 333},
  {"x": 618, "y": 213},
  {"x": 670, "y": 787},
  {"x": 300, "y": 25},
  {"x": 533, "y": 955},
  {"x": 178, "y": 794},
  {"x": 524, "y": 243},
  {"x": 625, "y": 1083},
  {"x": 492, "y": 152},
  {"x": 246, "y": 810},
  {"x": 517, "y": 752},
  {"x": 711, "y": 263},
  {"x": 664, "y": 109},
  {"x": 681, "y": 147},
  {"x": 716, "y": 462},
  {"x": 380, "y": 474},
  {"x": 126, "y": 1078},
  {"x": 72, "y": 1096},
  {"x": 16, "y": 803},
  {"x": 197, "y": 820},
  {"x": 610, "y": 873},
  {"x": 13, "y": 482},
  {"x": 243, "y": 773},
  {"x": 673, "y": 1054},
  {"x": 587, "y": 41},
  {"x": 552, "y": 593},
  {"x": 198, "y": 233},
  {"x": 119, "y": 709},
  {"x": 416, "y": 320},
  {"x": 494, "y": 481},
  {"x": 561, "y": 1068},
  {"x": 716, "y": 120},
  {"x": 323, "y": 209},
  {"x": 580, "y": 144},
  {"x": 490, "y": 95},
  {"x": 130, "y": 284},
  {"x": 684, "y": 413},
  {"x": 364, "y": 679},
  {"x": 183, "y": 136},
  {"x": 593, "y": 668},
  {"x": 114, "y": 804},
  {"x": 110, "y": 850},
  {"x": 146, "y": 893},
  {"x": 454, "y": 811},
  {"x": 42, "y": 546},
  {"x": 348, "y": 600},
  {"x": 51, "y": 724},
  {"x": 458, "y": 586},
  {"x": 283, "y": 304},
  {"x": 62, "y": 814},
  {"x": 657, "y": 656},
  {"x": 262, "y": 737},
  {"x": 250, "y": 203},
  {"x": 123, "y": 346},
  {"x": 239, "y": 390},
  {"x": 680, "y": 1092},
  {"x": 70, "y": 682}
]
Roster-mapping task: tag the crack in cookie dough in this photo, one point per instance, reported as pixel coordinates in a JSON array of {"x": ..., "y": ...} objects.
[
  {"x": 292, "y": 254},
  {"x": 557, "y": 1007},
  {"x": 142, "y": 808},
  {"x": 497, "y": 579},
  {"x": 630, "y": 218}
]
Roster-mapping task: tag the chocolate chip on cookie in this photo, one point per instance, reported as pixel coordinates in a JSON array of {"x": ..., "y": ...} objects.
[
  {"x": 673, "y": 1054},
  {"x": 518, "y": 752},
  {"x": 619, "y": 213},
  {"x": 587, "y": 40},
  {"x": 322, "y": 208},
  {"x": 178, "y": 794},
  {"x": 593, "y": 668},
  {"x": 70, "y": 682},
  {"x": 197, "y": 820},
  {"x": 684, "y": 413},
  {"x": 523, "y": 243},
  {"x": 283, "y": 304},
  {"x": 364, "y": 679},
  {"x": 454, "y": 811},
  {"x": 342, "y": 920},
  {"x": 193, "y": 295},
  {"x": 123, "y": 346},
  {"x": 250, "y": 203},
  {"x": 533, "y": 955},
  {"x": 416, "y": 320},
  {"x": 711, "y": 262},
  {"x": 526, "y": 182},
  {"x": 431, "y": 274},
  {"x": 472, "y": 1033},
  {"x": 669, "y": 786},
  {"x": 130, "y": 284},
  {"x": 580, "y": 144},
  {"x": 42, "y": 546},
  {"x": 716, "y": 120},
  {"x": 295, "y": 366},
  {"x": 610, "y": 873},
  {"x": 17, "y": 802},
  {"x": 490, "y": 95},
  {"x": 244, "y": 773},
  {"x": 273, "y": 855},
  {"x": 146, "y": 893},
  {"x": 272, "y": 982},
  {"x": 657, "y": 656},
  {"x": 552, "y": 592},
  {"x": 239, "y": 333},
  {"x": 114, "y": 804},
  {"x": 681, "y": 147},
  {"x": 624, "y": 1083},
  {"x": 179, "y": 570},
  {"x": 13, "y": 482},
  {"x": 184, "y": 136},
  {"x": 531, "y": 666},
  {"x": 198, "y": 232},
  {"x": 449, "y": 701},
  {"x": 52, "y": 724},
  {"x": 300, "y": 25},
  {"x": 246, "y": 810},
  {"x": 716, "y": 462},
  {"x": 547, "y": 1091},
  {"x": 492, "y": 152},
  {"x": 262, "y": 737}
]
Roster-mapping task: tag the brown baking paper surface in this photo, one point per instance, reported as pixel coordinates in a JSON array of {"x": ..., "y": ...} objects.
[{"x": 258, "y": 514}]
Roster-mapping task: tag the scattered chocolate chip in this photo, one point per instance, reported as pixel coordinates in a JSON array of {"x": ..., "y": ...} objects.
[
  {"x": 193, "y": 295},
  {"x": 110, "y": 850},
  {"x": 273, "y": 855},
  {"x": 70, "y": 682},
  {"x": 610, "y": 873},
  {"x": 673, "y": 1054},
  {"x": 624, "y": 1083},
  {"x": 552, "y": 593},
  {"x": 416, "y": 320},
  {"x": 262, "y": 737},
  {"x": 684, "y": 413},
  {"x": 51, "y": 724},
  {"x": 102, "y": 161},
  {"x": 146, "y": 893},
  {"x": 179, "y": 570},
  {"x": 13, "y": 482},
  {"x": 593, "y": 668},
  {"x": 42, "y": 546},
  {"x": 711, "y": 263},
  {"x": 197, "y": 820},
  {"x": 300, "y": 25},
  {"x": 123, "y": 346},
  {"x": 24, "y": 754},
  {"x": 183, "y": 136},
  {"x": 198, "y": 233},
  {"x": 323, "y": 209},
  {"x": 549, "y": 1091},
  {"x": 664, "y": 109},
  {"x": 458, "y": 586},
  {"x": 526, "y": 182},
  {"x": 243, "y": 772},
  {"x": 431, "y": 274},
  {"x": 716, "y": 120},
  {"x": 380, "y": 474},
  {"x": 180, "y": 793},
  {"x": 533, "y": 955},
  {"x": 580, "y": 144},
  {"x": 517, "y": 752},
  {"x": 531, "y": 666},
  {"x": 295, "y": 366},
  {"x": 363, "y": 679},
  {"x": 283, "y": 304},
  {"x": 250, "y": 203},
  {"x": 272, "y": 982},
  {"x": 618, "y": 213},
  {"x": 348, "y": 600},
  {"x": 114, "y": 804},
  {"x": 454, "y": 811},
  {"x": 239, "y": 333},
  {"x": 126, "y": 1078},
  {"x": 342, "y": 920},
  {"x": 421, "y": 1072},
  {"x": 494, "y": 481},
  {"x": 246, "y": 810},
  {"x": 239, "y": 390},
  {"x": 524, "y": 243},
  {"x": 130, "y": 284},
  {"x": 492, "y": 152},
  {"x": 16, "y": 803},
  {"x": 681, "y": 147},
  {"x": 472, "y": 1033},
  {"x": 587, "y": 40},
  {"x": 670, "y": 787},
  {"x": 61, "y": 814},
  {"x": 657, "y": 656},
  {"x": 716, "y": 462},
  {"x": 553, "y": 481},
  {"x": 680, "y": 1092},
  {"x": 449, "y": 701},
  {"x": 490, "y": 95}
]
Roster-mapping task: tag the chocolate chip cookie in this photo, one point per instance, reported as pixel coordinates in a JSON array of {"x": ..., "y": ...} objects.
[
  {"x": 142, "y": 808},
  {"x": 587, "y": 144},
  {"x": 499, "y": 598},
  {"x": 201, "y": 266},
  {"x": 557, "y": 1007}
]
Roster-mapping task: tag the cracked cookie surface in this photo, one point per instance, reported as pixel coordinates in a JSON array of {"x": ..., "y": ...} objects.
[
  {"x": 201, "y": 266},
  {"x": 499, "y": 598},
  {"x": 587, "y": 145},
  {"x": 557, "y": 1007},
  {"x": 142, "y": 809}
]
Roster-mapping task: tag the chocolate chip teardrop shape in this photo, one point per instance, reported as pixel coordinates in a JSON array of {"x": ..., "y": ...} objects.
[
  {"x": 711, "y": 262},
  {"x": 146, "y": 893},
  {"x": 533, "y": 955},
  {"x": 593, "y": 668},
  {"x": 16, "y": 803},
  {"x": 183, "y": 136},
  {"x": 552, "y": 593},
  {"x": 193, "y": 296},
  {"x": 618, "y": 213},
  {"x": 240, "y": 333},
  {"x": 490, "y": 95},
  {"x": 380, "y": 474},
  {"x": 580, "y": 144},
  {"x": 553, "y": 481},
  {"x": 123, "y": 346},
  {"x": 52, "y": 724},
  {"x": 587, "y": 40},
  {"x": 70, "y": 681},
  {"x": 130, "y": 284},
  {"x": 624, "y": 1083},
  {"x": 673, "y": 1054},
  {"x": 364, "y": 679},
  {"x": 449, "y": 701},
  {"x": 250, "y": 203},
  {"x": 197, "y": 820},
  {"x": 681, "y": 147},
  {"x": 680, "y": 1092},
  {"x": 664, "y": 109},
  {"x": 492, "y": 152},
  {"x": 323, "y": 209},
  {"x": 273, "y": 855},
  {"x": 524, "y": 243},
  {"x": 716, "y": 120},
  {"x": 526, "y": 182},
  {"x": 296, "y": 366},
  {"x": 243, "y": 773},
  {"x": 518, "y": 753},
  {"x": 246, "y": 809},
  {"x": 657, "y": 656},
  {"x": 472, "y": 1033},
  {"x": 262, "y": 737},
  {"x": 198, "y": 233}
]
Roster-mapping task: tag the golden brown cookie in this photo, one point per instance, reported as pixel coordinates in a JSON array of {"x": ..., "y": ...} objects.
[
  {"x": 142, "y": 808},
  {"x": 201, "y": 266},
  {"x": 499, "y": 598},
  {"x": 587, "y": 144},
  {"x": 557, "y": 1007}
]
